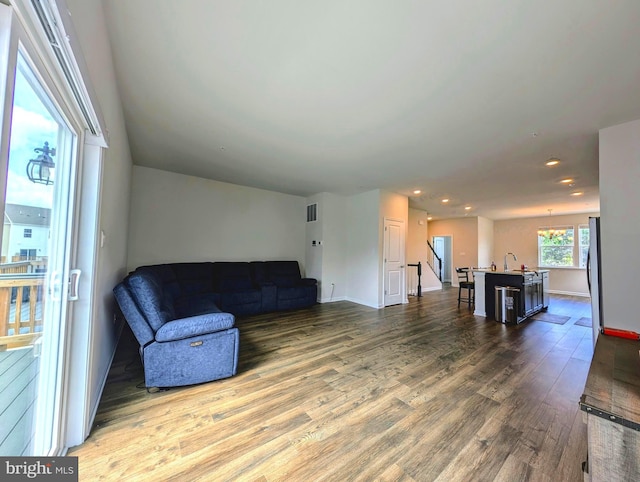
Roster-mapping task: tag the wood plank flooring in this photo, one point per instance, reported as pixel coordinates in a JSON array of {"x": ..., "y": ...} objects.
[
  {"x": 415, "y": 392},
  {"x": 19, "y": 370}
]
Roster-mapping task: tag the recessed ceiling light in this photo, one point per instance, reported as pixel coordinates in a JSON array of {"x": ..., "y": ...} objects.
[
  {"x": 552, "y": 162},
  {"x": 467, "y": 208},
  {"x": 445, "y": 200},
  {"x": 567, "y": 181},
  {"x": 577, "y": 193},
  {"x": 429, "y": 218},
  {"x": 417, "y": 191}
]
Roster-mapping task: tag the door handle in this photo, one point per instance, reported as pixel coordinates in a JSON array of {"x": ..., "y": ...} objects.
[
  {"x": 589, "y": 269},
  {"x": 55, "y": 282},
  {"x": 74, "y": 281}
]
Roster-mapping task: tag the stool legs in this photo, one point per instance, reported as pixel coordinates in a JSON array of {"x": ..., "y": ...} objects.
[{"x": 471, "y": 295}]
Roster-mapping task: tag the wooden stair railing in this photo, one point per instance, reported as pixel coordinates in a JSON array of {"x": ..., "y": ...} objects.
[
  {"x": 418, "y": 267},
  {"x": 434, "y": 261}
]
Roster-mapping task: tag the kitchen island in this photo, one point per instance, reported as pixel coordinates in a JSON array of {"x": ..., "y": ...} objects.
[{"x": 533, "y": 286}]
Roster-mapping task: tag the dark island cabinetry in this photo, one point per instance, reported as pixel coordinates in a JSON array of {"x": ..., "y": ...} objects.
[{"x": 532, "y": 289}]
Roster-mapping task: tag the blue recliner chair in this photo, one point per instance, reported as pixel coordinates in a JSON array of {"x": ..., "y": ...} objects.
[{"x": 183, "y": 340}]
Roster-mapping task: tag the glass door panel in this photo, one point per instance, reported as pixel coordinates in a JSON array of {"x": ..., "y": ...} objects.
[{"x": 34, "y": 267}]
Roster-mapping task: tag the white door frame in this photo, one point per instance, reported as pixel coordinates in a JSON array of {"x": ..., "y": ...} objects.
[
  {"x": 74, "y": 412},
  {"x": 391, "y": 268}
]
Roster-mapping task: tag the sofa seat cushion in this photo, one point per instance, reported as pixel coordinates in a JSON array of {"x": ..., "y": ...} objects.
[
  {"x": 194, "y": 326},
  {"x": 294, "y": 293},
  {"x": 242, "y": 303},
  {"x": 285, "y": 280}
]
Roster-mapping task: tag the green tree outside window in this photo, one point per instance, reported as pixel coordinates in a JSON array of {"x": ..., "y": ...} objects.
[{"x": 555, "y": 246}]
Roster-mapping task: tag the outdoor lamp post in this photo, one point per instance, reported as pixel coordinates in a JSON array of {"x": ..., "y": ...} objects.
[{"x": 39, "y": 170}]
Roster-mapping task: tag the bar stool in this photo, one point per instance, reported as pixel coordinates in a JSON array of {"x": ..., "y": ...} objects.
[{"x": 465, "y": 284}]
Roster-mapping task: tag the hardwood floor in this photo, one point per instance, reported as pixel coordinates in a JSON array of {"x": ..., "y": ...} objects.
[{"x": 415, "y": 392}]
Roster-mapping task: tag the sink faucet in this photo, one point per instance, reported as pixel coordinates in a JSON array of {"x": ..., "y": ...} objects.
[{"x": 506, "y": 267}]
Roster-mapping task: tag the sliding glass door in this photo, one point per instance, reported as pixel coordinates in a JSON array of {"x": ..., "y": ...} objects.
[{"x": 35, "y": 277}]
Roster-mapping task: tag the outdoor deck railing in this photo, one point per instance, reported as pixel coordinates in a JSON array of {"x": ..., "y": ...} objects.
[{"x": 21, "y": 304}]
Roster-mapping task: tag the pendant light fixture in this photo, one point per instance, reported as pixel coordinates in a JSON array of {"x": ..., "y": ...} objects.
[{"x": 549, "y": 232}]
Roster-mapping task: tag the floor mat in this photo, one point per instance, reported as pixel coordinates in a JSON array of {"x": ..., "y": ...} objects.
[
  {"x": 584, "y": 321},
  {"x": 551, "y": 318}
]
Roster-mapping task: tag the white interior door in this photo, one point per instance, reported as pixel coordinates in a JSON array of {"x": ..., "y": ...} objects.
[
  {"x": 438, "y": 247},
  {"x": 442, "y": 247},
  {"x": 394, "y": 266}
]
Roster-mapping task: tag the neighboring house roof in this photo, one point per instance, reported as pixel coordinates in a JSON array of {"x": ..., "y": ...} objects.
[{"x": 31, "y": 215}]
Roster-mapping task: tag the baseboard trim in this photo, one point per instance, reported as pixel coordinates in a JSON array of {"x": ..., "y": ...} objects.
[
  {"x": 105, "y": 376},
  {"x": 360, "y": 302},
  {"x": 569, "y": 293},
  {"x": 424, "y": 290},
  {"x": 432, "y": 288},
  {"x": 332, "y": 300}
]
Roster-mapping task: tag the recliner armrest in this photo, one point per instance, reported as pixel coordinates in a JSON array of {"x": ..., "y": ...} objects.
[
  {"x": 308, "y": 281},
  {"x": 194, "y": 326}
]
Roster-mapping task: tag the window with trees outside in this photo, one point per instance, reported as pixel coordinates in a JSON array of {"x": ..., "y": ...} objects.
[
  {"x": 555, "y": 247},
  {"x": 583, "y": 236}
]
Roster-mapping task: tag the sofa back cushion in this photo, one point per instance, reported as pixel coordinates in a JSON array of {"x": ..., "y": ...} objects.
[
  {"x": 285, "y": 274},
  {"x": 136, "y": 320},
  {"x": 165, "y": 276},
  {"x": 194, "y": 278},
  {"x": 155, "y": 304},
  {"x": 259, "y": 272},
  {"x": 232, "y": 276}
]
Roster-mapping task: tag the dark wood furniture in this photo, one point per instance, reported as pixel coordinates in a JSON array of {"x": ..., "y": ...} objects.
[
  {"x": 464, "y": 283},
  {"x": 532, "y": 286},
  {"x": 611, "y": 405}
]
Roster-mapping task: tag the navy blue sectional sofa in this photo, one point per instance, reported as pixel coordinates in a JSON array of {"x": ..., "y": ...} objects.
[{"x": 183, "y": 314}]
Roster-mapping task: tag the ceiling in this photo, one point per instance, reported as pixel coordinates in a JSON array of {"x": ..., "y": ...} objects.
[{"x": 463, "y": 100}]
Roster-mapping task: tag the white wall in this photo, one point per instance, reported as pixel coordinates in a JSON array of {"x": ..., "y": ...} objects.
[
  {"x": 464, "y": 242},
  {"x": 448, "y": 272},
  {"x": 363, "y": 250},
  {"x": 184, "y": 218},
  {"x": 519, "y": 236},
  {"x": 417, "y": 251},
  {"x": 349, "y": 262},
  {"x": 327, "y": 258},
  {"x": 334, "y": 246},
  {"x": 313, "y": 234},
  {"x": 485, "y": 242},
  {"x": 620, "y": 231},
  {"x": 89, "y": 22},
  {"x": 394, "y": 207}
]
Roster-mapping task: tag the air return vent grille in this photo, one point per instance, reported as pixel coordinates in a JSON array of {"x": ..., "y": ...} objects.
[{"x": 312, "y": 212}]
